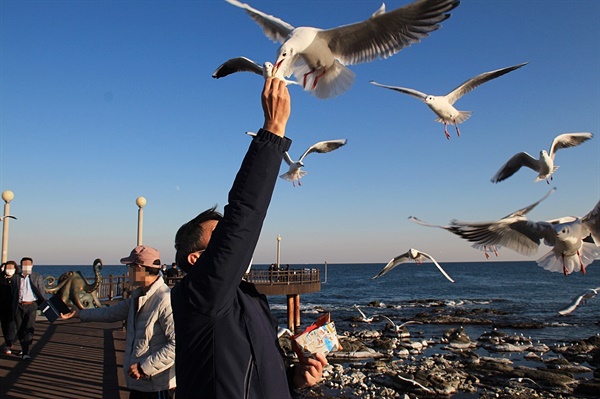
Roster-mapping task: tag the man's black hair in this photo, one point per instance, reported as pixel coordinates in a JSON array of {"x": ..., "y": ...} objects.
[{"x": 187, "y": 239}]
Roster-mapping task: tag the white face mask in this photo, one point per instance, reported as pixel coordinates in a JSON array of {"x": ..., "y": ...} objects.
[
  {"x": 27, "y": 269},
  {"x": 10, "y": 272}
]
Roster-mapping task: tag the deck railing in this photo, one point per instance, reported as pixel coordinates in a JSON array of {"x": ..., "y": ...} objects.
[
  {"x": 115, "y": 287},
  {"x": 284, "y": 277}
]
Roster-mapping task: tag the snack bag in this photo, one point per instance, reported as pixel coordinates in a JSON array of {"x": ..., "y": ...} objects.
[{"x": 319, "y": 337}]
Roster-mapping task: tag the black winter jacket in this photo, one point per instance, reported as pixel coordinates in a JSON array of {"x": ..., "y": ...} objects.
[{"x": 226, "y": 338}]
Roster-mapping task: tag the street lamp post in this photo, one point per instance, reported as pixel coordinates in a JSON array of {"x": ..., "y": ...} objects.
[
  {"x": 278, "y": 250},
  {"x": 141, "y": 203},
  {"x": 7, "y": 196}
]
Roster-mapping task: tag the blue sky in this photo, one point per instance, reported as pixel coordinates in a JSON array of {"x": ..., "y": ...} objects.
[{"x": 105, "y": 101}]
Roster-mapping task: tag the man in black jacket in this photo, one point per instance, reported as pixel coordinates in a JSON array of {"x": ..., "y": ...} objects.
[
  {"x": 226, "y": 337},
  {"x": 30, "y": 294}
]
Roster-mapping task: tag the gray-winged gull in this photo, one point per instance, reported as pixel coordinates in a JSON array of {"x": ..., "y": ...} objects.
[
  {"x": 544, "y": 166},
  {"x": 243, "y": 64},
  {"x": 443, "y": 105},
  {"x": 414, "y": 254},
  {"x": 584, "y": 296},
  {"x": 317, "y": 57},
  {"x": 295, "y": 171},
  {"x": 575, "y": 241}
]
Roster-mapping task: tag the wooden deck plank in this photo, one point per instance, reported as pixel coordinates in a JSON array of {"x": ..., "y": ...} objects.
[{"x": 69, "y": 360}]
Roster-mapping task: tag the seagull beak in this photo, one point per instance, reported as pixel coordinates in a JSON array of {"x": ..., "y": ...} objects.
[{"x": 277, "y": 65}]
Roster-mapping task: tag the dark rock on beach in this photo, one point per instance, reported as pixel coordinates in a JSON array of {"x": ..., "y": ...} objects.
[{"x": 375, "y": 364}]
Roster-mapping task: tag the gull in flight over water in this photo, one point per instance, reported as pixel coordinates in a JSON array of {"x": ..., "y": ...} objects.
[
  {"x": 544, "y": 166},
  {"x": 584, "y": 296},
  {"x": 413, "y": 254},
  {"x": 443, "y": 105},
  {"x": 317, "y": 57},
  {"x": 395, "y": 328},
  {"x": 364, "y": 317},
  {"x": 243, "y": 64},
  {"x": 575, "y": 241}
]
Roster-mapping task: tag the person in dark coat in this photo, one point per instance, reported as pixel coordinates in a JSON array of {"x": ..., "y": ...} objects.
[
  {"x": 227, "y": 343},
  {"x": 8, "y": 292},
  {"x": 30, "y": 295}
]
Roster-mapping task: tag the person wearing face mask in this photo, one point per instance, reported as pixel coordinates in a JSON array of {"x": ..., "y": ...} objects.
[
  {"x": 149, "y": 363},
  {"x": 30, "y": 294},
  {"x": 8, "y": 302}
]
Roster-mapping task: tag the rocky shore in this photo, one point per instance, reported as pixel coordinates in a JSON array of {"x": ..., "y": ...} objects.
[{"x": 390, "y": 362}]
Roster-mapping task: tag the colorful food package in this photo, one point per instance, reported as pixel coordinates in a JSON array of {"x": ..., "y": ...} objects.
[{"x": 319, "y": 337}]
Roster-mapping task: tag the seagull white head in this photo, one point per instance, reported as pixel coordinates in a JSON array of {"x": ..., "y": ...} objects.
[
  {"x": 267, "y": 69},
  {"x": 284, "y": 56}
]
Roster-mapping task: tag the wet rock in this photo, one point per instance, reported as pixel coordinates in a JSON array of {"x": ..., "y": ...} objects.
[
  {"x": 588, "y": 388},
  {"x": 543, "y": 377}
]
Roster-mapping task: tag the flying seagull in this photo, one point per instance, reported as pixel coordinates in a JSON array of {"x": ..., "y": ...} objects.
[
  {"x": 317, "y": 57},
  {"x": 575, "y": 241},
  {"x": 544, "y": 166},
  {"x": 295, "y": 171},
  {"x": 443, "y": 105},
  {"x": 243, "y": 64},
  {"x": 363, "y": 317},
  {"x": 7, "y": 216},
  {"x": 584, "y": 296},
  {"x": 395, "y": 328},
  {"x": 413, "y": 254}
]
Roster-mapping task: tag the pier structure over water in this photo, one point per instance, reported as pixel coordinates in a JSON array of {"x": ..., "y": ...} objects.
[{"x": 288, "y": 282}]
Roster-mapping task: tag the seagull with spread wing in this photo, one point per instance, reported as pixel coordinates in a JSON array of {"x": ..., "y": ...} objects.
[
  {"x": 413, "y": 254},
  {"x": 317, "y": 57},
  {"x": 584, "y": 296},
  {"x": 544, "y": 166},
  {"x": 575, "y": 241},
  {"x": 443, "y": 106},
  {"x": 364, "y": 317},
  {"x": 243, "y": 64},
  {"x": 392, "y": 326},
  {"x": 295, "y": 171}
]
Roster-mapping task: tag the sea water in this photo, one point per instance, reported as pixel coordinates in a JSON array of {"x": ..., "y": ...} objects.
[{"x": 515, "y": 291}]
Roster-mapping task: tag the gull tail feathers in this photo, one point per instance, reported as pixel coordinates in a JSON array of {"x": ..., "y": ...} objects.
[
  {"x": 337, "y": 80},
  {"x": 462, "y": 116},
  {"x": 545, "y": 177},
  {"x": 554, "y": 263},
  {"x": 293, "y": 176}
]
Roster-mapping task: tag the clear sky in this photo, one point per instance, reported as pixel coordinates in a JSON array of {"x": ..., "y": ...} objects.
[{"x": 105, "y": 101}]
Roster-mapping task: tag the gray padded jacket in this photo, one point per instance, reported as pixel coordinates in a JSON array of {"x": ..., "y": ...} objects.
[{"x": 150, "y": 335}]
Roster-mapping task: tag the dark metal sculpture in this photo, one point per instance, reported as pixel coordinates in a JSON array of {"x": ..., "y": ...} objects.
[{"x": 73, "y": 288}]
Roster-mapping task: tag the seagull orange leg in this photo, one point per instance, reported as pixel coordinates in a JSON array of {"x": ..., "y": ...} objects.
[
  {"x": 582, "y": 267},
  {"x": 456, "y": 126},
  {"x": 446, "y": 131},
  {"x": 565, "y": 271},
  {"x": 317, "y": 78},
  {"x": 305, "y": 75}
]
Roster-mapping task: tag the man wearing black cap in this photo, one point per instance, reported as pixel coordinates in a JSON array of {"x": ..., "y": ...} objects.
[{"x": 150, "y": 345}]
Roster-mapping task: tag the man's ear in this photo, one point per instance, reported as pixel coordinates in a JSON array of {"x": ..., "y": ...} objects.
[{"x": 192, "y": 258}]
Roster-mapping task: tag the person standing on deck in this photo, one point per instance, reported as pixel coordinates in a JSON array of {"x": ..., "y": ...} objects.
[
  {"x": 8, "y": 303},
  {"x": 30, "y": 294}
]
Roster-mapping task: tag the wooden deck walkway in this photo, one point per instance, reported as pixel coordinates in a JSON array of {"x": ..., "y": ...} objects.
[{"x": 69, "y": 360}]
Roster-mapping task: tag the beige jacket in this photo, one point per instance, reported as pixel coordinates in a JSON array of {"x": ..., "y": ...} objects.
[{"x": 150, "y": 335}]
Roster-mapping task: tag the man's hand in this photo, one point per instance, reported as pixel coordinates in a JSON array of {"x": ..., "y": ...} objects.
[
  {"x": 276, "y": 106},
  {"x": 309, "y": 371},
  {"x": 136, "y": 372}
]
